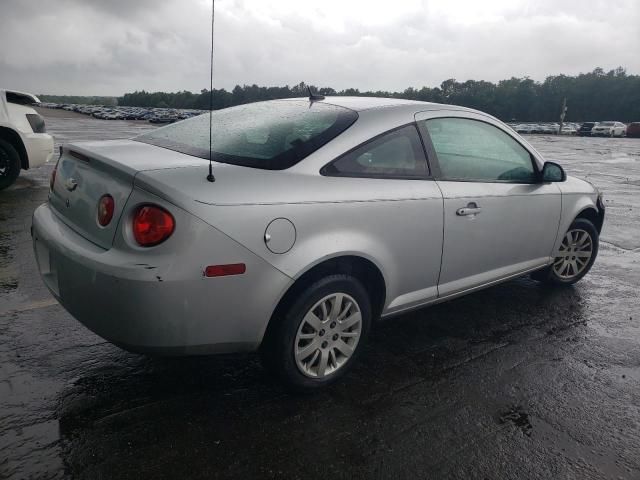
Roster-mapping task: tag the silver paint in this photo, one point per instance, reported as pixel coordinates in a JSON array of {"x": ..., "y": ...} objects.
[{"x": 156, "y": 299}]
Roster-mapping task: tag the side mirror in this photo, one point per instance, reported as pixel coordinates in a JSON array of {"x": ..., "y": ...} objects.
[{"x": 552, "y": 172}]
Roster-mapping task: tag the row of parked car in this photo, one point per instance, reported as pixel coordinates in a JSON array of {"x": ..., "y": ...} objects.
[
  {"x": 586, "y": 129},
  {"x": 106, "y": 112},
  {"x": 546, "y": 128}
]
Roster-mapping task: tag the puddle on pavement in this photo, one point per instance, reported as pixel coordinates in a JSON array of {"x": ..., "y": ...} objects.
[{"x": 518, "y": 417}]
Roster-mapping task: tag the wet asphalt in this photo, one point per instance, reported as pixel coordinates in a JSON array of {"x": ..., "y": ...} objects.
[{"x": 518, "y": 381}]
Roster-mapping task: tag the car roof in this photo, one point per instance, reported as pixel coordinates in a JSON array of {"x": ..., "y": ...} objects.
[{"x": 360, "y": 104}]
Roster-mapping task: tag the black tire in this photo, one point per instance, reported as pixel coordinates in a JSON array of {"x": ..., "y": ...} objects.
[
  {"x": 277, "y": 350},
  {"x": 9, "y": 164},
  {"x": 549, "y": 274}
]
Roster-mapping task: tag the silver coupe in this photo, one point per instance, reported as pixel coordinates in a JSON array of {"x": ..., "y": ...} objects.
[{"x": 322, "y": 216}]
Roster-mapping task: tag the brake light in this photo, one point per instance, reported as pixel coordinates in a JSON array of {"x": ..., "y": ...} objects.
[
  {"x": 37, "y": 122},
  {"x": 106, "y": 206},
  {"x": 152, "y": 225}
]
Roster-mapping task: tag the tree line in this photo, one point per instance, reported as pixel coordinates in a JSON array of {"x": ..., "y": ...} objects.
[
  {"x": 79, "y": 100},
  {"x": 597, "y": 95}
]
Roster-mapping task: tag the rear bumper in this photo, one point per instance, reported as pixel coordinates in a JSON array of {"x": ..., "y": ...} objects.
[
  {"x": 167, "y": 308},
  {"x": 39, "y": 148}
]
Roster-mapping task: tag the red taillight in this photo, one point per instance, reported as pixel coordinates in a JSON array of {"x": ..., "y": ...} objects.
[
  {"x": 152, "y": 225},
  {"x": 106, "y": 206},
  {"x": 224, "y": 270}
]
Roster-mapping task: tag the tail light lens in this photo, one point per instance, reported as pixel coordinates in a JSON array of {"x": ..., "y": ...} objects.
[
  {"x": 106, "y": 206},
  {"x": 152, "y": 225},
  {"x": 37, "y": 122}
]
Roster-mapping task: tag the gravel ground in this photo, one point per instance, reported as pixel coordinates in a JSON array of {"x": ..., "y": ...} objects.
[{"x": 517, "y": 381}]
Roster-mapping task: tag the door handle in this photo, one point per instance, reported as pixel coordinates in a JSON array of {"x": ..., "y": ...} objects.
[{"x": 471, "y": 209}]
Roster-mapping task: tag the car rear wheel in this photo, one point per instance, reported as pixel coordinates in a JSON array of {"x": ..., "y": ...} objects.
[
  {"x": 321, "y": 334},
  {"x": 575, "y": 257},
  {"x": 9, "y": 164}
]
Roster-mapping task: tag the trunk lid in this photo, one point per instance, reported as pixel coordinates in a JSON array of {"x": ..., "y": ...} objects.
[{"x": 87, "y": 171}]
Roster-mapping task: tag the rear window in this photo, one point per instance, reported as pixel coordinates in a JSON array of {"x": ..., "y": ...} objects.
[
  {"x": 269, "y": 135},
  {"x": 20, "y": 98},
  {"x": 606, "y": 124}
]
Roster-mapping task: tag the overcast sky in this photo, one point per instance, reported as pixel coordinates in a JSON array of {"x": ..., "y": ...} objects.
[{"x": 109, "y": 47}]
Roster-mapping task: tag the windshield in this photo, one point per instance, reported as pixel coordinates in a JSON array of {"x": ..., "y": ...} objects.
[
  {"x": 271, "y": 135},
  {"x": 606, "y": 124}
]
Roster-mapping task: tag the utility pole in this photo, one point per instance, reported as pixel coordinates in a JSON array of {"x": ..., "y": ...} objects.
[{"x": 562, "y": 114}]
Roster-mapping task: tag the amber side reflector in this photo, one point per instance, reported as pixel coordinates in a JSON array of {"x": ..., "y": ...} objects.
[{"x": 224, "y": 270}]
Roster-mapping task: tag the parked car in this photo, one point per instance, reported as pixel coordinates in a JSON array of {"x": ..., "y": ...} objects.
[
  {"x": 523, "y": 128},
  {"x": 153, "y": 115},
  {"x": 585, "y": 129},
  {"x": 633, "y": 130},
  {"x": 548, "y": 129},
  {"x": 567, "y": 130},
  {"x": 321, "y": 216},
  {"x": 609, "y": 129},
  {"x": 24, "y": 143}
]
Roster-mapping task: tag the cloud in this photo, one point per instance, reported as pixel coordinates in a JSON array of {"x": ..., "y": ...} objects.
[{"x": 97, "y": 47}]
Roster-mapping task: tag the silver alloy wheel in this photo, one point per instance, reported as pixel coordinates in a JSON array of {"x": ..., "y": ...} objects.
[
  {"x": 328, "y": 335},
  {"x": 574, "y": 254}
]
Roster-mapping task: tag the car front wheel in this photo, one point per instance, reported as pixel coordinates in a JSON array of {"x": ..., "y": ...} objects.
[
  {"x": 318, "y": 338},
  {"x": 575, "y": 257}
]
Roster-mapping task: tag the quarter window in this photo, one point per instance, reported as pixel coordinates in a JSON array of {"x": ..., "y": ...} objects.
[
  {"x": 396, "y": 154},
  {"x": 471, "y": 150}
]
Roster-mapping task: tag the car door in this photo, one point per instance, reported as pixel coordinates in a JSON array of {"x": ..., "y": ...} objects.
[
  {"x": 403, "y": 224},
  {"x": 499, "y": 219}
]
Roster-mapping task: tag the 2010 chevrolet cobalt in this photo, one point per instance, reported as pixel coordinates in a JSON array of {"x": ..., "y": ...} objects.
[{"x": 324, "y": 215}]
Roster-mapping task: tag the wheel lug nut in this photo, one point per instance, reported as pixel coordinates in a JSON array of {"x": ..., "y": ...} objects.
[
  {"x": 333, "y": 325},
  {"x": 335, "y": 337},
  {"x": 325, "y": 344}
]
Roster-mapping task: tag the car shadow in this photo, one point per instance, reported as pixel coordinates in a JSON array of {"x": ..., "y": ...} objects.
[{"x": 208, "y": 417}]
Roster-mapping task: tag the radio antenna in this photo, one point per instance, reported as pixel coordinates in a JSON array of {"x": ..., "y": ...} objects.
[{"x": 210, "y": 177}]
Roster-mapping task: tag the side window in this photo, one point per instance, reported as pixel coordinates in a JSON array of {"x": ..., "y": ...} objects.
[
  {"x": 472, "y": 150},
  {"x": 396, "y": 154}
]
